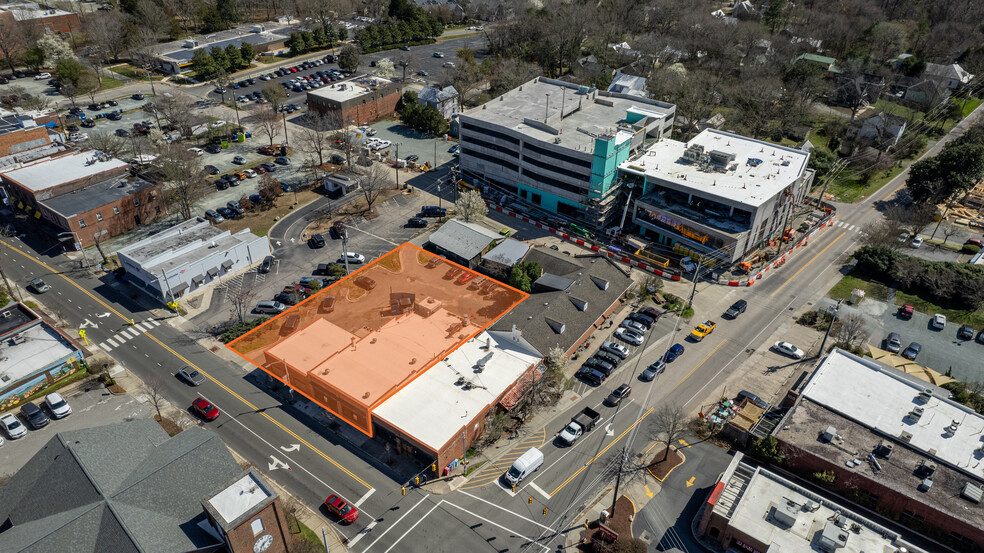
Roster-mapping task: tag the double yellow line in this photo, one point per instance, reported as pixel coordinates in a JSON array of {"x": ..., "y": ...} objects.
[{"x": 199, "y": 369}]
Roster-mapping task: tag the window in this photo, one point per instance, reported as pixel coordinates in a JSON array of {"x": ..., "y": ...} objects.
[
  {"x": 116, "y": 210},
  {"x": 99, "y": 216},
  {"x": 909, "y": 517},
  {"x": 257, "y": 526},
  {"x": 136, "y": 201},
  {"x": 82, "y": 223}
]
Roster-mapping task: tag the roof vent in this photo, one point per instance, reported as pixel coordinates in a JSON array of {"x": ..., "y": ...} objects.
[
  {"x": 972, "y": 493},
  {"x": 916, "y": 414},
  {"x": 6, "y": 315},
  {"x": 925, "y": 395},
  {"x": 925, "y": 485}
]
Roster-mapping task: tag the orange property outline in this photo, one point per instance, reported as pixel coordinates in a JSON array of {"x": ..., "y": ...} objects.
[{"x": 349, "y": 278}]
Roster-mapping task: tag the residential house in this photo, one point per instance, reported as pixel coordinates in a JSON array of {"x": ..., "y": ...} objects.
[
  {"x": 855, "y": 89},
  {"x": 826, "y": 63},
  {"x": 444, "y": 100},
  {"x": 746, "y": 11},
  {"x": 880, "y": 130},
  {"x": 951, "y": 76}
]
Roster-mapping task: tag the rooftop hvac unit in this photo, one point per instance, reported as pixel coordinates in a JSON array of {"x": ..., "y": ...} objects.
[
  {"x": 884, "y": 449},
  {"x": 257, "y": 28},
  {"x": 925, "y": 395},
  {"x": 905, "y": 436},
  {"x": 925, "y": 485},
  {"x": 6, "y": 314},
  {"x": 829, "y": 434},
  {"x": 917, "y": 413},
  {"x": 190, "y": 43},
  {"x": 786, "y": 512}
]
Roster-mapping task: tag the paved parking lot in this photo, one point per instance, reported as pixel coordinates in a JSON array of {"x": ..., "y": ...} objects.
[
  {"x": 95, "y": 407},
  {"x": 942, "y": 350},
  {"x": 411, "y": 142},
  {"x": 422, "y": 58}
]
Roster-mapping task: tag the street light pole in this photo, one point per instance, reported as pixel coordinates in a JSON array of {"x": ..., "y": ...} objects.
[
  {"x": 397, "y": 166},
  {"x": 150, "y": 80},
  {"x": 285, "y": 128},
  {"x": 439, "y": 198},
  {"x": 78, "y": 241},
  {"x": 833, "y": 312}
]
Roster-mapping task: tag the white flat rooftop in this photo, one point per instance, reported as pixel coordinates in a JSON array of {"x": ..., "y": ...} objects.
[
  {"x": 766, "y": 492},
  {"x": 239, "y": 498},
  {"x": 879, "y": 398},
  {"x": 434, "y": 409},
  {"x": 352, "y": 88},
  {"x": 41, "y": 347},
  {"x": 49, "y": 173},
  {"x": 750, "y": 182}
]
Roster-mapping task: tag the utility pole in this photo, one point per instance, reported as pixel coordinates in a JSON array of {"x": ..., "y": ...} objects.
[
  {"x": 150, "y": 80},
  {"x": 439, "y": 198},
  {"x": 618, "y": 479},
  {"x": 833, "y": 311},
  {"x": 397, "y": 166},
  {"x": 285, "y": 127},
  {"x": 693, "y": 291},
  {"x": 345, "y": 250}
]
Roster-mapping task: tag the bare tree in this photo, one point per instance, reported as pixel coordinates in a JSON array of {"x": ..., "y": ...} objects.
[
  {"x": 110, "y": 144},
  {"x": 914, "y": 217},
  {"x": 154, "y": 388},
  {"x": 12, "y": 41},
  {"x": 242, "y": 302},
  {"x": 106, "y": 30},
  {"x": 853, "y": 329},
  {"x": 268, "y": 121},
  {"x": 906, "y": 271},
  {"x": 884, "y": 233},
  {"x": 175, "y": 108},
  {"x": 948, "y": 229},
  {"x": 316, "y": 135},
  {"x": 275, "y": 94},
  {"x": 373, "y": 182},
  {"x": 471, "y": 206},
  {"x": 668, "y": 424},
  {"x": 183, "y": 177}
]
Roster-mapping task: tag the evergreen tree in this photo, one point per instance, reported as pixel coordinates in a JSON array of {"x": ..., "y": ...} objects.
[
  {"x": 203, "y": 64},
  {"x": 219, "y": 57},
  {"x": 247, "y": 52},
  {"x": 234, "y": 57}
]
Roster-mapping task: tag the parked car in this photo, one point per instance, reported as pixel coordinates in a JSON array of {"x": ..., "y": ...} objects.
[
  {"x": 234, "y": 206},
  {"x": 34, "y": 416},
  {"x": 213, "y": 148},
  {"x": 906, "y": 311},
  {"x": 365, "y": 282},
  {"x": 642, "y": 319},
  {"x": 39, "y": 286},
  {"x": 239, "y": 160},
  {"x": 191, "y": 376},
  {"x": 966, "y": 332},
  {"x": 974, "y": 242},
  {"x": 266, "y": 265},
  {"x": 317, "y": 241},
  {"x": 214, "y": 216},
  {"x": 616, "y": 349},
  {"x": 416, "y": 222},
  {"x": 342, "y": 509},
  {"x": 57, "y": 405},
  {"x": 917, "y": 241},
  {"x": 789, "y": 350},
  {"x": 218, "y": 124},
  {"x": 939, "y": 321},
  {"x": 283, "y": 160},
  {"x": 629, "y": 335},
  {"x": 433, "y": 211},
  {"x": 654, "y": 370},
  {"x": 211, "y": 170},
  {"x": 635, "y": 326},
  {"x": 226, "y": 212},
  {"x": 270, "y": 307},
  {"x": 42, "y": 76},
  {"x": 676, "y": 350},
  {"x": 912, "y": 351},
  {"x": 893, "y": 342},
  {"x": 352, "y": 258},
  {"x": 752, "y": 398},
  {"x": 13, "y": 426},
  {"x": 609, "y": 357},
  {"x": 618, "y": 394},
  {"x": 598, "y": 364},
  {"x": 205, "y": 409}
]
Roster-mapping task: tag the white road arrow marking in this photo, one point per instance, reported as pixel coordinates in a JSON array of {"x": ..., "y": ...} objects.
[
  {"x": 291, "y": 447},
  {"x": 88, "y": 323},
  {"x": 277, "y": 464},
  {"x": 608, "y": 430},
  {"x": 278, "y": 243},
  {"x": 103, "y": 315}
]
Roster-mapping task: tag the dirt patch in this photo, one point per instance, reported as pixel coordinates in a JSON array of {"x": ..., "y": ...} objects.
[
  {"x": 620, "y": 522},
  {"x": 116, "y": 389},
  {"x": 660, "y": 468},
  {"x": 168, "y": 425}
]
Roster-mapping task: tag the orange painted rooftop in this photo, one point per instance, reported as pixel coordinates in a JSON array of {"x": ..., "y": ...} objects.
[{"x": 375, "y": 340}]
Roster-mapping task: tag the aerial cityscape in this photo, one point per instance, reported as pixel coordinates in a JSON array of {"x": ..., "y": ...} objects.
[{"x": 505, "y": 276}]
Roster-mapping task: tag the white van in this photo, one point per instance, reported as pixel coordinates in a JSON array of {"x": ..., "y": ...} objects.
[{"x": 527, "y": 464}]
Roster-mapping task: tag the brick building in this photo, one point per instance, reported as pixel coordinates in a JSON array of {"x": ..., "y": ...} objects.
[
  {"x": 25, "y": 138},
  {"x": 46, "y": 20},
  {"x": 81, "y": 193},
  {"x": 357, "y": 101},
  {"x": 891, "y": 443}
]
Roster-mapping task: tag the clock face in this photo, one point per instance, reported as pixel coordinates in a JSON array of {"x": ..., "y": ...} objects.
[{"x": 263, "y": 543}]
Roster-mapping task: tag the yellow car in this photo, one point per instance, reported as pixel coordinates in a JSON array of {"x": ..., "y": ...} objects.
[{"x": 703, "y": 329}]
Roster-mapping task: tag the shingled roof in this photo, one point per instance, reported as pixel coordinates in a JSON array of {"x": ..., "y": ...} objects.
[{"x": 121, "y": 488}]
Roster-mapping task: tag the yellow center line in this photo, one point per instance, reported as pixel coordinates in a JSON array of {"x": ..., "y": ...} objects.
[
  {"x": 821, "y": 252},
  {"x": 702, "y": 361},
  {"x": 602, "y": 452},
  {"x": 194, "y": 366}
]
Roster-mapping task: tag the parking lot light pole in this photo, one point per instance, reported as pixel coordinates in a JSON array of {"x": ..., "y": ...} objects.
[
  {"x": 149, "y": 79},
  {"x": 439, "y": 195},
  {"x": 285, "y": 127}
]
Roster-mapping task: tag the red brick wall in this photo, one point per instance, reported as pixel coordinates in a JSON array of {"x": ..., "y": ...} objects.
[
  {"x": 9, "y": 141},
  {"x": 890, "y": 502},
  {"x": 67, "y": 23},
  {"x": 363, "y": 113},
  {"x": 148, "y": 210},
  {"x": 241, "y": 539}
]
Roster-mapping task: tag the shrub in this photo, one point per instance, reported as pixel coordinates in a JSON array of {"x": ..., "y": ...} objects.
[
  {"x": 238, "y": 329},
  {"x": 767, "y": 449},
  {"x": 970, "y": 248},
  {"x": 818, "y": 319}
]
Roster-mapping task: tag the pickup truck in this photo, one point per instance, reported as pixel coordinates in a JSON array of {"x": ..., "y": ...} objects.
[
  {"x": 581, "y": 423},
  {"x": 703, "y": 329}
]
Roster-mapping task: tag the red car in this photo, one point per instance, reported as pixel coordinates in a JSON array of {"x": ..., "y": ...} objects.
[
  {"x": 906, "y": 311},
  {"x": 452, "y": 273},
  {"x": 345, "y": 511},
  {"x": 208, "y": 411},
  {"x": 974, "y": 242},
  {"x": 464, "y": 278}
]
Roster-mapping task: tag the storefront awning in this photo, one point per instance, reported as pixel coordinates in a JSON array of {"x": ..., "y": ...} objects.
[
  {"x": 175, "y": 290},
  {"x": 227, "y": 264},
  {"x": 198, "y": 279},
  {"x": 213, "y": 271}
]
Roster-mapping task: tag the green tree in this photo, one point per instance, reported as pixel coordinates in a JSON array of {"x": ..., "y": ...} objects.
[
  {"x": 227, "y": 11},
  {"x": 519, "y": 279},
  {"x": 341, "y": 33},
  {"x": 348, "y": 59},
  {"x": 68, "y": 70},
  {"x": 33, "y": 57},
  {"x": 247, "y": 53},
  {"x": 295, "y": 43},
  {"x": 330, "y": 36},
  {"x": 211, "y": 19},
  {"x": 954, "y": 170},
  {"x": 767, "y": 449},
  {"x": 220, "y": 58},
  {"x": 336, "y": 270},
  {"x": 774, "y": 16},
  {"x": 203, "y": 64},
  {"x": 319, "y": 36},
  {"x": 309, "y": 40},
  {"x": 234, "y": 57}
]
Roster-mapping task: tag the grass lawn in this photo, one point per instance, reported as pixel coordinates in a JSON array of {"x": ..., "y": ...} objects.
[
  {"x": 958, "y": 316},
  {"x": 849, "y": 188},
  {"x": 970, "y": 105},
  {"x": 260, "y": 222},
  {"x": 128, "y": 70},
  {"x": 819, "y": 141},
  {"x": 310, "y": 536},
  {"x": 109, "y": 82},
  {"x": 842, "y": 290}
]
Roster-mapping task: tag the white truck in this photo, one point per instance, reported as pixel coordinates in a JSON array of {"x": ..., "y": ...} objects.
[{"x": 581, "y": 423}]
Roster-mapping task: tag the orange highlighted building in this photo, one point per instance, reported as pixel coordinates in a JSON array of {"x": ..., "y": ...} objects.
[{"x": 359, "y": 344}]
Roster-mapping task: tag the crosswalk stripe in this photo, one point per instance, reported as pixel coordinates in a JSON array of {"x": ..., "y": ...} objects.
[
  {"x": 154, "y": 322},
  {"x": 145, "y": 325},
  {"x": 138, "y": 329},
  {"x": 126, "y": 333},
  {"x": 104, "y": 347},
  {"x": 121, "y": 337},
  {"x": 111, "y": 342}
]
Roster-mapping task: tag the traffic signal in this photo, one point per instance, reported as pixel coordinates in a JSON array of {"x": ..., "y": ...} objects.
[
  {"x": 403, "y": 490},
  {"x": 434, "y": 467},
  {"x": 531, "y": 500},
  {"x": 544, "y": 510}
]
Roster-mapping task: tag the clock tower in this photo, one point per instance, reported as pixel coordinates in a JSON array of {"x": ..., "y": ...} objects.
[{"x": 248, "y": 516}]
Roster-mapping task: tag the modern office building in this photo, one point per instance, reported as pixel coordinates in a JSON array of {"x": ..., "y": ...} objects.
[
  {"x": 266, "y": 38},
  {"x": 557, "y": 146},
  {"x": 754, "y": 510},
  {"x": 720, "y": 195},
  {"x": 894, "y": 444},
  {"x": 189, "y": 256}
]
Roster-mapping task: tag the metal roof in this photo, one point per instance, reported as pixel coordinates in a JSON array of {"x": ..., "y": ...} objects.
[{"x": 463, "y": 239}]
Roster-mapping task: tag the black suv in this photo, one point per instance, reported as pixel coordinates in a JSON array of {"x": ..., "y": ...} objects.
[
  {"x": 317, "y": 241},
  {"x": 34, "y": 415},
  {"x": 736, "y": 309},
  {"x": 433, "y": 211}
]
